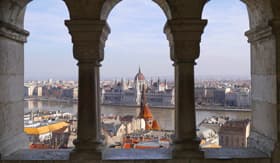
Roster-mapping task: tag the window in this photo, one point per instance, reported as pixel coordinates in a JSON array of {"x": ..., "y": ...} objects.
[
  {"x": 137, "y": 58},
  {"x": 50, "y": 108},
  {"x": 223, "y": 80}
]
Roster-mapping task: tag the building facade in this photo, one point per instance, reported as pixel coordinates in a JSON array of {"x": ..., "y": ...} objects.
[
  {"x": 234, "y": 134},
  {"x": 129, "y": 92}
]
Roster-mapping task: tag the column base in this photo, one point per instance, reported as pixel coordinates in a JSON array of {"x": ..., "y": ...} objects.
[
  {"x": 87, "y": 150},
  {"x": 85, "y": 155},
  {"x": 187, "y": 149}
]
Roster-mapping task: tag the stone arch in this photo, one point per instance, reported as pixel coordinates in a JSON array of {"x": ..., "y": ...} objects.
[
  {"x": 13, "y": 11},
  {"x": 260, "y": 12},
  {"x": 165, "y": 7},
  {"x": 64, "y": 4},
  {"x": 12, "y": 39},
  {"x": 263, "y": 75},
  {"x": 186, "y": 9},
  {"x": 108, "y": 6},
  {"x": 262, "y": 39}
]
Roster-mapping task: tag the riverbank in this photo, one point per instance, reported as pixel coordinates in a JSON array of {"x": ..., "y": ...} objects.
[
  {"x": 197, "y": 107},
  {"x": 50, "y": 99}
]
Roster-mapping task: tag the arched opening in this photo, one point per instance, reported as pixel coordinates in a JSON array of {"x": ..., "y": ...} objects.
[
  {"x": 50, "y": 83},
  {"x": 264, "y": 73},
  {"x": 137, "y": 58},
  {"x": 223, "y": 77}
]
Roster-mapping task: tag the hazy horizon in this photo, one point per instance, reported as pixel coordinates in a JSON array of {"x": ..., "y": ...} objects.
[{"x": 155, "y": 78}]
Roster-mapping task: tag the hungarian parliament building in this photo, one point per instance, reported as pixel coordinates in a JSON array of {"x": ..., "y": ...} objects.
[
  {"x": 158, "y": 93},
  {"x": 129, "y": 92}
]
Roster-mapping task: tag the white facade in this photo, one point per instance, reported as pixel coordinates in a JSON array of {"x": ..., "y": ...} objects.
[{"x": 129, "y": 93}]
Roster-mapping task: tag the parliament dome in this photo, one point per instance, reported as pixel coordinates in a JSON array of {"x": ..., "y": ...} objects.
[{"x": 139, "y": 75}]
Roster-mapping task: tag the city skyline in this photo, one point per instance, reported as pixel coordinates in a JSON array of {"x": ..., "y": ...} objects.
[{"x": 134, "y": 25}]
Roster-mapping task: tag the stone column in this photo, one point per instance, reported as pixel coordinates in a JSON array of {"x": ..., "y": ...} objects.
[
  {"x": 263, "y": 133},
  {"x": 275, "y": 24},
  {"x": 184, "y": 37},
  {"x": 88, "y": 38},
  {"x": 12, "y": 137}
]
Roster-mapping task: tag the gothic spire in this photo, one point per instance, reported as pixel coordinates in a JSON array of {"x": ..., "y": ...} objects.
[
  {"x": 143, "y": 97},
  {"x": 142, "y": 103}
]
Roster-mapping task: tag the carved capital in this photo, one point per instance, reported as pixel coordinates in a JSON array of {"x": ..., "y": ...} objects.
[
  {"x": 259, "y": 33},
  {"x": 264, "y": 31},
  {"x": 85, "y": 53},
  {"x": 88, "y": 37},
  {"x": 13, "y": 32},
  {"x": 184, "y": 38}
]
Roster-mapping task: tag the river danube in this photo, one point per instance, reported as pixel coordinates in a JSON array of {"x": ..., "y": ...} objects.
[{"x": 165, "y": 116}]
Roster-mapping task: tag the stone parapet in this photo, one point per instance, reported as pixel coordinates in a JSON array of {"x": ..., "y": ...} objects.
[{"x": 261, "y": 142}]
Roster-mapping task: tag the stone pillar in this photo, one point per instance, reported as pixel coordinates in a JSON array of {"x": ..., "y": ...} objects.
[
  {"x": 263, "y": 133},
  {"x": 88, "y": 38},
  {"x": 275, "y": 24},
  {"x": 12, "y": 137},
  {"x": 184, "y": 37}
]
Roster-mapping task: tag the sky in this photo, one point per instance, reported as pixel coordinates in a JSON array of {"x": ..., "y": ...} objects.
[{"x": 136, "y": 39}]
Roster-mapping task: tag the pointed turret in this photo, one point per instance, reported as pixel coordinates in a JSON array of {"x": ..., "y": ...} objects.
[
  {"x": 165, "y": 83},
  {"x": 142, "y": 103},
  {"x": 145, "y": 111},
  {"x": 139, "y": 76},
  {"x": 155, "y": 125}
]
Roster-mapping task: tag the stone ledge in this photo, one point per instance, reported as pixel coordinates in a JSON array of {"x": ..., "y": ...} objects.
[
  {"x": 13, "y": 32},
  {"x": 159, "y": 154},
  {"x": 259, "y": 33},
  {"x": 234, "y": 153}
]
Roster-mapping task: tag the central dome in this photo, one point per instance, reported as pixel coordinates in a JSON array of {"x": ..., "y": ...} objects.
[{"x": 139, "y": 75}]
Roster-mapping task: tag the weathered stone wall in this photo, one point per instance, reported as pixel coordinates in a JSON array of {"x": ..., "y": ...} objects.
[
  {"x": 264, "y": 103},
  {"x": 263, "y": 76},
  {"x": 11, "y": 97},
  {"x": 12, "y": 39}
]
